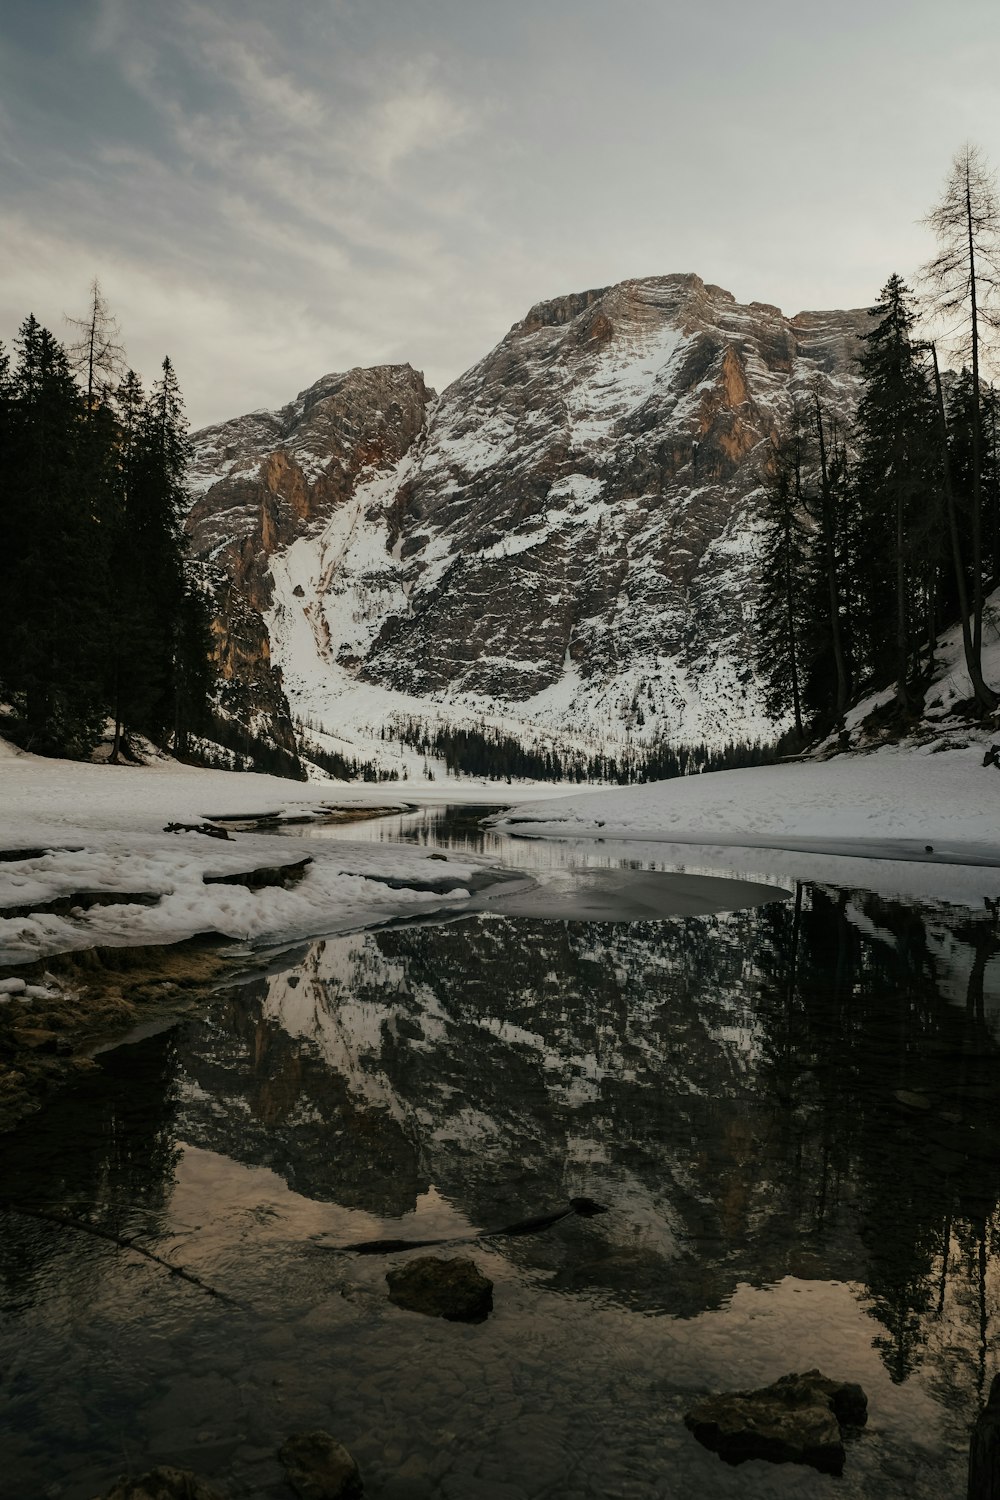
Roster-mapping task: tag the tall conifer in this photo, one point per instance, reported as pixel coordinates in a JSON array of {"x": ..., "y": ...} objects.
[
  {"x": 898, "y": 500},
  {"x": 57, "y": 584}
]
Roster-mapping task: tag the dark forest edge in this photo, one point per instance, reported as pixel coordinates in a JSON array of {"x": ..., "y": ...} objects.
[
  {"x": 490, "y": 753},
  {"x": 108, "y": 626},
  {"x": 876, "y": 539}
]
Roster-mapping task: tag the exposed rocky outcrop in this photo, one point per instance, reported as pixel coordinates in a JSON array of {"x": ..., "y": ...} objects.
[
  {"x": 320, "y": 1468},
  {"x": 165, "y": 1483},
  {"x": 263, "y": 480},
  {"x": 452, "y": 1288},
  {"x": 796, "y": 1420},
  {"x": 566, "y": 538},
  {"x": 249, "y": 684}
]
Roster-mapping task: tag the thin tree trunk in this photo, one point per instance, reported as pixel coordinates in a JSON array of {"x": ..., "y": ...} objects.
[
  {"x": 98, "y": 1231},
  {"x": 831, "y": 572},
  {"x": 977, "y": 448},
  {"x": 902, "y": 641},
  {"x": 792, "y": 644},
  {"x": 995, "y": 497},
  {"x": 983, "y": 694},
  {"x": 116, "y": 744}
]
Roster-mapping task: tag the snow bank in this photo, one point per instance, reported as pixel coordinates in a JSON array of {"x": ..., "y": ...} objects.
[
  {"x": 889, "y": 803},
  {"x": 100, "y": 829}
]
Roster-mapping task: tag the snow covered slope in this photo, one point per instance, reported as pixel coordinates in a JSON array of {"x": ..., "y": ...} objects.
[{"x": 562, "y": 545}]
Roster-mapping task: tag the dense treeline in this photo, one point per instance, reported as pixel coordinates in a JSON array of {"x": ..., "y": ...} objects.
[
  {"x": 101, "y": 622},
  {"x": 498, "y": 757},
  {"x": 335, "y": 764},
  {"x": 875, "y": 540}
]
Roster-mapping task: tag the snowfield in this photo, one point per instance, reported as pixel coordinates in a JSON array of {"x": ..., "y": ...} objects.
[
  {"x": 93, "y": 829},
  {"x": 890, "y": 803}
]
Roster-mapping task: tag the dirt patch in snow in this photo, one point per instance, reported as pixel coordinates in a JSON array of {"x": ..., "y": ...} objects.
[{"x": 55, "y": 1013}]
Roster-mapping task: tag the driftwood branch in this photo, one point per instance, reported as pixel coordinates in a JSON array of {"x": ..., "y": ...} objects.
[
  {"x": 585, "y": 1207},
  {"x": 82, "y": 1226}
]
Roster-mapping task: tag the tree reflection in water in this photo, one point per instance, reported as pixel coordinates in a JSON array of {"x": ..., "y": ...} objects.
[{"x": 804, "y": 1089}]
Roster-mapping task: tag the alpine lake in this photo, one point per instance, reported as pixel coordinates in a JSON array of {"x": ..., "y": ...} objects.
[{"x": 788, "y": 1107}]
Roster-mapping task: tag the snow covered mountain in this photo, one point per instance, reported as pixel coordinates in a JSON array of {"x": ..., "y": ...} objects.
[{"x": 562, "y": 545}]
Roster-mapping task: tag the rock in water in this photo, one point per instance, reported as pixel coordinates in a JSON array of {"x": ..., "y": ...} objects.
[
  {"x": 164, "y": 1484},
  {"x": 797, "y": 1420},
  {"x": 320, "y": 1468},
  {"x": 454, "y": 1289},
  {"x": 984, "y": 1449}
]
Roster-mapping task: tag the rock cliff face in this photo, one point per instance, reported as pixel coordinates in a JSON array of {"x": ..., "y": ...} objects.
[{"x": 564, "y": 542}]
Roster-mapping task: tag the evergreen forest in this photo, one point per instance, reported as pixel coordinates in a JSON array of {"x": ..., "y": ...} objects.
[
  {"x": 873, "y": 540},
  {"x": 102, "y": 622}
]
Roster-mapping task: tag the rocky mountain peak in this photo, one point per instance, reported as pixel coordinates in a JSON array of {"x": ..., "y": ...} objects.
[{"x": 569, "y": 548}]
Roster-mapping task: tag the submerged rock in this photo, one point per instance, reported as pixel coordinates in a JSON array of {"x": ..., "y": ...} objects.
[
  {"x": 454, "y": 1289},
  {"x": 796, "y": 1420},
  {"x": 164, "y": 1484},
  {"x": 984, "y": 1449},
  {"x": 320, "y": 1468}
]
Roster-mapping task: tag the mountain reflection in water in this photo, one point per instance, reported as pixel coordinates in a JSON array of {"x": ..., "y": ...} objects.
[{"x": 806, "y": 1089}]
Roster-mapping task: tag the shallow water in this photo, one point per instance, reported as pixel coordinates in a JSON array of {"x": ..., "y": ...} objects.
[{"x": 790, "y": 1111}]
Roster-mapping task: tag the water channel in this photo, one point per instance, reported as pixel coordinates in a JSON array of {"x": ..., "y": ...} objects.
[{"x": 790, "y": 1110}]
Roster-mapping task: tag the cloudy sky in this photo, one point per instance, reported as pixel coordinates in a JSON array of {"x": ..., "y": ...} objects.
[{"x": 271, "y": 189}]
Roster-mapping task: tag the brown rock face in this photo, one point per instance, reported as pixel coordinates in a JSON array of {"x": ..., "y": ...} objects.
[
  {"x": 250, "y": 689},
  {"x": 265, "y": 479},
  {"x": 568, "y": 535},
  {"x": 592, "y": 481}
]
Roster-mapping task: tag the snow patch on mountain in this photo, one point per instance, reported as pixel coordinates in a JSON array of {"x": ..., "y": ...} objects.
[{"x": 563, "y": 546}]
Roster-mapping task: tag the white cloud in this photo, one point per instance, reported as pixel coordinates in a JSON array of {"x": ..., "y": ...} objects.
[{"x": 275, "y": 190}]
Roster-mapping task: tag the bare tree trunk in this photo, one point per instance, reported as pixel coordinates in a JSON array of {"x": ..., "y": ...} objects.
[
  {"x": 792, "y": 643},
  {"x": 831, "y": 570},
  {"x": 902, "y": 635},
  {"x": 977, "y": 445},
  {"x": 983, "y": 694}
]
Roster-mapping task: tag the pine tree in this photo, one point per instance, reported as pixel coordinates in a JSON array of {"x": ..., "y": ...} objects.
[
  {"x": 96, "y": 356},
  {"x": 783, "y": 595},
  {"x": 832, "y": 556},
  {"x": 56, "y": 568},
  {"x": 897, "y": 501},
  {"x": 963, "y": 282},
  {"x": 127, "y": 640},
  {"x": 160, "y": 627}
]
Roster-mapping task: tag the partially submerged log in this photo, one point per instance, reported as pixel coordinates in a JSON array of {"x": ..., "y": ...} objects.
[
  {"x": 264, "y": 875},
  {"x": 83, "y": 1226},
  {"x": 205, "y": 828}
]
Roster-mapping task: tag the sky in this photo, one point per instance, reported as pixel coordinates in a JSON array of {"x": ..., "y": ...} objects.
[{"x": 269, "y": 190}]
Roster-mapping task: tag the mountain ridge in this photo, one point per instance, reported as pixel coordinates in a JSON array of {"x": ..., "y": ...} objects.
[{"x": 562, "y": 543}]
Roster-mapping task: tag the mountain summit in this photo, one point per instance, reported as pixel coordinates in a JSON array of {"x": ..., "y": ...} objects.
[{"x": 562, "y": 543}]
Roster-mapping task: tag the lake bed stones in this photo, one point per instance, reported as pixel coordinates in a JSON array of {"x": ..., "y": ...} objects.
[
  {"x": 796, "y": 1420},
  {"x": 320, "y": 1468},
  {"x": 454, "y": 1289},
  {"x": 164, "y": 1483}
]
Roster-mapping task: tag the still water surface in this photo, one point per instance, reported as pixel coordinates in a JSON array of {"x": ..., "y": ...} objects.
[{"x": 790, "y": 1110}]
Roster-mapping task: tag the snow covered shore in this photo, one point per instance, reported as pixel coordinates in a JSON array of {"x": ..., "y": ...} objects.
[
  {"x": 887, "y": 804},
  {"x": 98, "y": 831}
]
